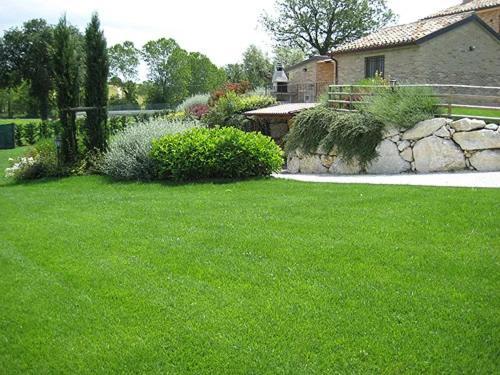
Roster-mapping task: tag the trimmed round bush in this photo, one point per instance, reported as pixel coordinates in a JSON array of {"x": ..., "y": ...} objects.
[
  {"x": 216, "y": 153},
  {"x": 128, "y": 156}
]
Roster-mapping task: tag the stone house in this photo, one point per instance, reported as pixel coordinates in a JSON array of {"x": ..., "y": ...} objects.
[
  {"x": 304, "y": 82},
  {"x": 459, "y": 45}
]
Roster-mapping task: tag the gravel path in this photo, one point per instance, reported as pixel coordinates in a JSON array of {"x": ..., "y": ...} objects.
[{"x": 471, "y": 179}]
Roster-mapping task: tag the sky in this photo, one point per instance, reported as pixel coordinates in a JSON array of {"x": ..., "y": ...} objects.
[{"x": 220, "y": 29}]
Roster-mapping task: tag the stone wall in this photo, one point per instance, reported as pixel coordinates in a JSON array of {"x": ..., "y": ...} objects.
[
  {"x": 437, "y": 145},
  {"x": 445, "y": 59}
]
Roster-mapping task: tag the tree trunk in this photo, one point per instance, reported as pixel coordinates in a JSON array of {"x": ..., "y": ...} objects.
[{"x": 44, "y": 106}]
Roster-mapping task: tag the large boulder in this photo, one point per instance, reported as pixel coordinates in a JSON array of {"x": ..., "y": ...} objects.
[
  {"x": 311, "y": 164},
  {"x": 486, "y": 161},
  {"x": 342, "y": 167},
  {"x": 435, "y": 154},
  {"x": 424, "y": 129},
  {"x": 466, "y": 125},
  {"x": 478, "y": 140},
  {"x": 293, "y": 164},
  {"x": 389, "y": 161}
]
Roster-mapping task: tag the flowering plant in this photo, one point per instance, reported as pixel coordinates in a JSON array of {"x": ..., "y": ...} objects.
[{"x": 19, "y": 166}]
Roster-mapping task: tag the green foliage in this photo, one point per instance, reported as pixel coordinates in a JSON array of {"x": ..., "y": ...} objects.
[
  {"x": 216, "y": 153},
  {"x": 235, "y": 73},
  {"x": 229, "y": 109},
  {"x": 309, "y": 129},
  {"x": 205, "y": 76},
  {"x": 38, "y": 162},
  {"x": 26, "y": 54},
  {"x": 96, "y": 87},
  {"x": 30, "y": 133},
  {"x": 258, "y": 69},
  {"x": 175, "y": 74},
  {"x": 320, "y": 25},
  {"x": 353, "y": 135},
  {"x": 67, "y": 78},
  {"x": 199, "y": 99},
  {"x": 288, "y": 56},
  {"x": 403, "y": 107},
  {"x": 129, "y": 153},
  {"x": 124, "y": 61}
]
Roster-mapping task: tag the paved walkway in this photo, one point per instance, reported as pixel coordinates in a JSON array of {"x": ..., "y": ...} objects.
[{"x": 470, "y": 179}]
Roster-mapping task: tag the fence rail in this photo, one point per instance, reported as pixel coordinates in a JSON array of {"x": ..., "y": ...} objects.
[{"x": 459, "y": 101}]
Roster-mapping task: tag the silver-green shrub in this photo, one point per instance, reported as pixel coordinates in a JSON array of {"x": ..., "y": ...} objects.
[
  {"x": 200, "y": 99},
  {"x": 128, "y": 155}
]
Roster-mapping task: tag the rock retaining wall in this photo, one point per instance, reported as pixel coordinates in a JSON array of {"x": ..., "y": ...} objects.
[{"x": 437, "y": 145}]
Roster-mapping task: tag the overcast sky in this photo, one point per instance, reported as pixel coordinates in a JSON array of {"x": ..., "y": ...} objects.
[{"x": 221, "y": 29}]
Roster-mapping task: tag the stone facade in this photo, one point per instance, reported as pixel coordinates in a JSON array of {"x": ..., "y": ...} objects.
[
  {"x": 310, "y": 79},
  {"x": 437, "y": 145},
  {"x": 465, "y": 55}
]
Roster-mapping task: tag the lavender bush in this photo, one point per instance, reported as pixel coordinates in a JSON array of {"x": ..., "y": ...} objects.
[{"x": 128, "y": 155}]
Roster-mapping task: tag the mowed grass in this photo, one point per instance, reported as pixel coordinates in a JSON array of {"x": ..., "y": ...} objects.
[
  {"x": 471, "y": 112},
  {"x": 252, "y": 277},
  {"x": 20, "y": 121}
]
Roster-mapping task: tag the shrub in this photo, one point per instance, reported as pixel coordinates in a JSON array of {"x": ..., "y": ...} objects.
[
  {"x": 128, "y": 156},
  {"x": 38, "y": 162},
  {"x": 229, "y": 109},
  {"x": 216, "y": 153},
  {"x": 30, "y": 130},
  {"x": 353, "y": 135},
  {"x": 195, "y": 100},
  {"x": 239, "y": 88},
  {"x": 198, "y": 111},
  {"x": 309, "y": 129},
  {"x": 403, "y": 107}
]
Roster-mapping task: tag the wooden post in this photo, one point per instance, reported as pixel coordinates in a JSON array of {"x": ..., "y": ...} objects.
[{"x": 350, "y": 99}]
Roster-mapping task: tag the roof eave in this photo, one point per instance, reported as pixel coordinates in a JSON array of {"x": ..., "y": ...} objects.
[
  {"x": 376, "y": 48},
  {"x": 473, "y": 17},
  {"x": 488, "y": 7}
]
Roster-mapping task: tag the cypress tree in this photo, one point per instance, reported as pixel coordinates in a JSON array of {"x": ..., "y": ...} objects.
[
  {"x": 96, "y": 86},
  {"x": 67, "y": 87}
]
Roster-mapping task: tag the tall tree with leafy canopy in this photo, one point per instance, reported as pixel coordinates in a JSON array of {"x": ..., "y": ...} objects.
[
  {"x": 66, "y": 74},
  {"x": 288, "y": 56},
  {"x": 205, "y": 76},
  {"x": 235, "y": 72},
  {"x": 124, "y": 61},
  {"x": 318, "y": 26},
  {"x": 96, "y": 86},
  {"x": 168, "y": 70},
  {"x": 26, "y": 54},
  {"x": 258, "y": 68}
]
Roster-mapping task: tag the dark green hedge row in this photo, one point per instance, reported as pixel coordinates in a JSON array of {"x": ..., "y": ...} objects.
[{"x": 30, "y": 133}]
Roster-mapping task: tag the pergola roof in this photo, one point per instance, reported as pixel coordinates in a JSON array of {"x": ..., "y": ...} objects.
[{"x": 281, "y": 110}]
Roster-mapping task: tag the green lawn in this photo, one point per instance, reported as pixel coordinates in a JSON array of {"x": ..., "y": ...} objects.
[
  {"x": 477, "y": 112},
  {"x": 23, "y": 121},
  {"x": 252, "y": 277}
]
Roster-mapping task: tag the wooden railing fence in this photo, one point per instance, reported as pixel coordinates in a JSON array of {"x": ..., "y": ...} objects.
[{"x": 452, "y": 98}]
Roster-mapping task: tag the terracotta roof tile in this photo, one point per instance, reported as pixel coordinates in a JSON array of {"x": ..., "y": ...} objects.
[
  {"x": 402, "y": 34},
  {"x": 471, "y": 6}
]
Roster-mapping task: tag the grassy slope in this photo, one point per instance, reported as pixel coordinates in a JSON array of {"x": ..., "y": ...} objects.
[{"x": 252, "y": 277}]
